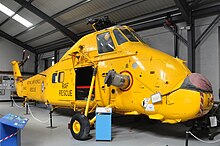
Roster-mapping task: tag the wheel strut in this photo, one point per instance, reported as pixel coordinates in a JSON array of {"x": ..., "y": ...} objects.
[
  {"x": 51, "y": 119},
  {"x": 26, "y": 104}
]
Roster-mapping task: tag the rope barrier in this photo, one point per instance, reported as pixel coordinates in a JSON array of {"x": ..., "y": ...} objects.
[
  {"x": 207, "y": 142},
  {"x": 29, "y": 109},
  {"x": 26, "y": 104},
  {"x": 16, "y": 103},
  {"x": 3, "y": 139}
]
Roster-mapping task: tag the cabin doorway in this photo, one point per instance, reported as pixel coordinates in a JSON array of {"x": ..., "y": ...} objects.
[{"x": 83, "y": 82}]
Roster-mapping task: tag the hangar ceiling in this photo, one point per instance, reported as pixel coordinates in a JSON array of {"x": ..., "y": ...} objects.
[{"x": 58, "y": 24}]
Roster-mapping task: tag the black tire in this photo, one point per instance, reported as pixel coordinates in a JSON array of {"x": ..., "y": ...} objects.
[{"x": 83, "y": 129}]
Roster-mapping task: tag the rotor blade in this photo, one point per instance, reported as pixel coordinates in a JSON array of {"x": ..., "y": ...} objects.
[
  {"x": 23, "y": 54},
  {"x": 21, "y": 64},
  {"x": 26, "y": 59}
]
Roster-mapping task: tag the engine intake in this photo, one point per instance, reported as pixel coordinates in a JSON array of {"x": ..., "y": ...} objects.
[{"x": 118, "y": 80}]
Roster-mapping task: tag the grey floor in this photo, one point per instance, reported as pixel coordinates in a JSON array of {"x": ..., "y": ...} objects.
[{"x": 126, "y": 131}]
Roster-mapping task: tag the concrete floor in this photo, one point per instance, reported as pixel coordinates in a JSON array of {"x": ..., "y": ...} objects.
[{"x": 126, "y": 131}]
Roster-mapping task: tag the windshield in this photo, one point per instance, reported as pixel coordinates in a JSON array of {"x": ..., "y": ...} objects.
[
  {"x": 137, "y": 36},
  {"x": 129, "y": 35},
  {"x": 105, "y": 43},
  {"x": 119, "y": 37}
]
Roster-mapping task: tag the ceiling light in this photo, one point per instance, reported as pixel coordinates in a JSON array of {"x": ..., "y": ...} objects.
[
  {"x": 16, "y": 17},
  {"x": 6, "y": 10},
  {"x": 22, "y": 20}
]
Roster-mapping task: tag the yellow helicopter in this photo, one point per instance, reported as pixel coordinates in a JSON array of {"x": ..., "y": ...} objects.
[{"x": 113, "y": 67}]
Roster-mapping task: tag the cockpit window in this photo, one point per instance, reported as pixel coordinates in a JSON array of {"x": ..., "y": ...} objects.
[
  {"x": 105, "y": 43},
  {"x": 129, "y": 35},
  {"x": 119, "y": 37},
  {"x": 137, "y": 36}
]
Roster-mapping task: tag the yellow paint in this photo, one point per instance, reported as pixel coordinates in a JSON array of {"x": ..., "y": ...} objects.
[
  {"x": 76, "y": 127},
  {"x": 156, "y": 117},
  {"x": 132, "y": 113},
  {"x": 151, "y": 71}
]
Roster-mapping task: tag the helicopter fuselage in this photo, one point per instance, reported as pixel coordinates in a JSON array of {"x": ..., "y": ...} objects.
[{"x": 154, "y": 87}]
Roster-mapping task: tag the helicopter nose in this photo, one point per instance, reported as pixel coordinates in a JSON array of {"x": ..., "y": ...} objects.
[{"x": 198, "y": 82}]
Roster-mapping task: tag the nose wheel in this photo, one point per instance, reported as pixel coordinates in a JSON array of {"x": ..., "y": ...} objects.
[{"x": 80, "y": 127}]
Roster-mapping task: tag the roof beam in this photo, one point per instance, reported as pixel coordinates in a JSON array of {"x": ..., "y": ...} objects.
[
  {"x": 207, "y": 31},
  {"x": 195, "y": 4},
  {"x": 205, "y": 12},
  {"x": 141, "y": 23},
  {"x": 175, "y": 33},
  {"x": 99, "y": 14},
  {"x": 161, "y": 14},
  {"x": 207, "y": 3},
  {"x": 54, "y": 16},
  {"x": 9, "y": 18},
  {"x": 154, "y": 24},
  {"x": 184, "y": 9},
  {"x": 16, "y": 41},
  {"x": 58, "y": 44},
  {"x": 57, "y": 47},
  {"x": 72, "y": 36}
]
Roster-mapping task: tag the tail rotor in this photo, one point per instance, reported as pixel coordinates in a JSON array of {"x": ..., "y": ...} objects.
[{"x": 24, "y": 60}]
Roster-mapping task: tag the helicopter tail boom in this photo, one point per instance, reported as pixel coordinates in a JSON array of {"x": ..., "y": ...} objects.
[
  {"x": 18, "y": 78},
  {"x": 16, "y": 69}
]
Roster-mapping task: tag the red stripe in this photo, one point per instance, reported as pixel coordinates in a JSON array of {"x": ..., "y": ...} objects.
[
  {"x": 8, "y": 136},
  {"x": 84, "y": 87}
]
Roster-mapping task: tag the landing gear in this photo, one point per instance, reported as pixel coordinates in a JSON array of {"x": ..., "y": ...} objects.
[
  {"x": 80, "y": 124},
  {"x": 80, "y": 127},
  {"x": 203, "y": 124}
]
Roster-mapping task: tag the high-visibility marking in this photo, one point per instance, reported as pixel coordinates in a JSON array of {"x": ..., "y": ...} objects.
[{"x": 9, "y": 136}]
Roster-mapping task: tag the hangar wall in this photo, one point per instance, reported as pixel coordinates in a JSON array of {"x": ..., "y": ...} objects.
[
  {"x": 9, "y": 52},
  {"x": 207, "y": 53},
  {"x": 43, "y": 56}
]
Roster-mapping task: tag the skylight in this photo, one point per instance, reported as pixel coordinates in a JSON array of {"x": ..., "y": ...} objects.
[
  {"x": 6, "y": 10},
  {"x": 16, "y": 17},
  {"x": 22, "y": 20}
]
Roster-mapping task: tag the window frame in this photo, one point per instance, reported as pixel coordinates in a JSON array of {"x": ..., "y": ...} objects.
[
  {"x": 133, "y": 36},
  {"x": 118, "y": 43},
  {"x": 100, "y": 50},
  {"x": 54, "y": 77},
  {"x": 59, "y": 77}
]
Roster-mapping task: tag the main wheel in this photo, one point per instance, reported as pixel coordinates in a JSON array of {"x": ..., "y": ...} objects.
[{"x": 80, "y": 127}]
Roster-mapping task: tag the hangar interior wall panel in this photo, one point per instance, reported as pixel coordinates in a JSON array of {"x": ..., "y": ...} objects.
[
  {"x": 47, "y": 55},
  {"x": 10, "y": 52}
]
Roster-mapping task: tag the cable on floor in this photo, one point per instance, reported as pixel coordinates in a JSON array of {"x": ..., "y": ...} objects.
[{"x": 208, "y": 142}]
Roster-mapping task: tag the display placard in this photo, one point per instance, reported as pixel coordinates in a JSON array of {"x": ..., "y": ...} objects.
[
  {"x": 2, "y": 91},
  {"x": 14, "y": 121}
]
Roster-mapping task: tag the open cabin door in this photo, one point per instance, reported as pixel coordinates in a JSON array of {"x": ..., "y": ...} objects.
[{"x": 83, "y": 82}]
